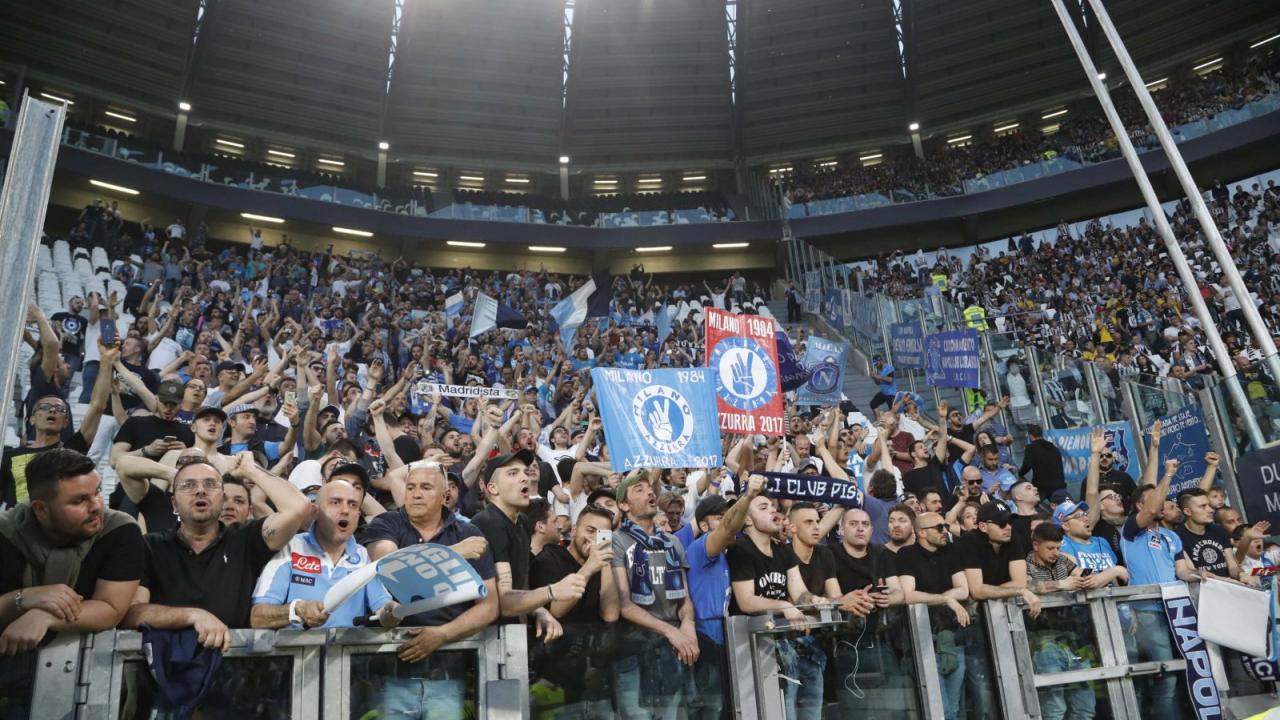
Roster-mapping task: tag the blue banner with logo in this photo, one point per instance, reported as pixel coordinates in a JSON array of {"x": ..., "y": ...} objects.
[
  {"x": 1184, "y": 438},
  {"x": 812, "y": 291},
  {"x": 826, "y": 360},
  {"x": 906, "y": 345},
  {"x": 951, "y": 359},
  {"x": 1075, "y": 446},
  {"x": 791, "y": 372},
  {"x": 833, "y": 307},
  {"x": 650, "y": 417}
]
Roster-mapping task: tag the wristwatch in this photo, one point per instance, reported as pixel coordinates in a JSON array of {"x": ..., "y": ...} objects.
[
  {"x": 17, "y": 602},
  {"x": 294, "y": 617}
]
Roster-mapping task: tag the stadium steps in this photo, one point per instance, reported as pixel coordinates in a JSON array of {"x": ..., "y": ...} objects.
[{"x": 857, "y": 387}]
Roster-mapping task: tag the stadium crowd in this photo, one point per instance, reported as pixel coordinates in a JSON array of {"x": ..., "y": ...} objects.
[
  {"x": 1082, "y": 137},
  {"x": 261, "y": 410},
  {"x": 1112, "y": 296}
]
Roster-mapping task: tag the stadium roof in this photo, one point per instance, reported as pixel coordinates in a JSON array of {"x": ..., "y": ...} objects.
[{"x": 615, "y": 84}]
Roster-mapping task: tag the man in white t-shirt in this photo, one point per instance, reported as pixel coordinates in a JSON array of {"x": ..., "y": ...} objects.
[{"x": 177, "y": 230}]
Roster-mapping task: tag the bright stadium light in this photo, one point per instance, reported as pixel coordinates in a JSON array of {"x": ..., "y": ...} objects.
[
  {"x": 184, "y": 106},
  {"x": 1207, "y": 64},
  {"x": 649, "y": 181},
  {"x": 56, "y": 98},
  {"x": 694, "y": 178},
  {"x": 334, "y": 163},
  {"x": 425, "y": 174},
  {"x": 962, "y": 138},
  {"x": 914, "y": 127},
  {"x": 471, "y": 178},
  {"x": 349, "y": 231},
  {"x": 730, "y": 246},
  {"x": 872, "y": 156},
  {"x": 119, "y": 116},
  {"x": 654, "y": 248},
  {"x": 1264, "y": 41},
  {"x": 1005, "y": 128},
  {"x": 262, "y": 218},
  {"x": 109, "y": 186},
  {"x": 384, "y": 145},
  {"x": 1054, "y": 114},
  {"x": 230, "y": 143},
  {"x": 464, "y": 243},
  {"x": 1157, "y": 84},
  {"x": 518, "y": 180},
  {"x": 281, "y": 153},
  {"x": 564, "y": 159},
  {"x": 546, "y": 248},
  {"x": 1102, "y": 76}
]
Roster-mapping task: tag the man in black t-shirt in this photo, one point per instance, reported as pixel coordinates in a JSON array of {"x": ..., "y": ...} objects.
[
  {"x": 1205, "y": 543},
  {"x": 151, "y": 436},
  {"x": 201, "y": 574},
  {"x": 995, "y": 564},
  {"x": 861, "y": 565},
  {"x": 66, "y": 506},
  {"x": 73, "y": 324}
]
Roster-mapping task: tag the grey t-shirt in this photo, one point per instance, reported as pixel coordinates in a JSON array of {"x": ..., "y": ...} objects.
[{"x": 662, "y": 607}]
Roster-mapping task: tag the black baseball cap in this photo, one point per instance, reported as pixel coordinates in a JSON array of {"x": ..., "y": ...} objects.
[
  {"x": 994, "y": 511},
  {"x": 711, "y": 505},
  {"x": 211, "y": 410},
  {"x": 525, "y": 456},
  {"x": 170, "y": 391},
  {"x": 351, "y": 468},
  {"x": 229, "y": 365}
]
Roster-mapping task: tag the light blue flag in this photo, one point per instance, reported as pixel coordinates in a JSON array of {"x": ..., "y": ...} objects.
[
  {"x": 570, "y": 312},
  {"x": 650, "y": 416},
  {"x": 827, "y": 359},
  {"x": 665, "y": 316},
  {"x": 452, "y": 308},
  {"x": 485, "y": 317}
]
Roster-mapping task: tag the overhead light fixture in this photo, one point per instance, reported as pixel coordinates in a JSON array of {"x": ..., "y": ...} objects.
[
  {"x": 261, "y": 218},
  {"x": 471, "y": 178},
  {"x": 729, "y": 246},
  {"x": 1006, "y": 128},
  {"x": 56, "y": 98},
  {"x": 1054, "y": 114},
  {"x": 184, "y": 106},
  {"x": 962, "y": 138},
  {"x": 1264, "y": 41},
  {"x": 464, "y": 243},
  {"x": 349, "y": 231},
  {"x": 1207, "y": 63},
  {"x": 1050, "y": 129},
  {"x": 1102, "y": 76},
  {"x": 546, "y": 248},
  {"x": 694, "y": 178},
  {"x": 654, "y": 248},
  {"x": 384, "y": 145},
  {"x": 229, "y": 143},
  {"x": 518, "y": 180},
  {"x": 109, "y": 186},
  {"x": 119, "y": 116},
  {"x": 1161, "y": 81},
  {"x": 334, "y": 163},
  {"x": 281, "y": 153},
  {"x": 564, "y": 159},
  {"x": 649, "y": 181},
  {"x": 829, "y": 163},
  {"x": 783, "y": 169},
  {"x": 606, "y": 182},
  {"x": 914, "y": 127},
  {"x": 425, "y": 174},
  {"x": 872, "y": 156}
]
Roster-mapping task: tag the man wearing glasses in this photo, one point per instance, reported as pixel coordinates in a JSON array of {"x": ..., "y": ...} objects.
[
  {"x": 49, "y": 418},
  {"x": 202, "y": 574}
]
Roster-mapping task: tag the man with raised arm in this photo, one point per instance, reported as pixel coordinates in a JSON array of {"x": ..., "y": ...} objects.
[{"x": 201, "y": 574}]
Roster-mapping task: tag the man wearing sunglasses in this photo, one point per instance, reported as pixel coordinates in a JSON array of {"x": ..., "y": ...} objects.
[{"x": 49, "y": 418}]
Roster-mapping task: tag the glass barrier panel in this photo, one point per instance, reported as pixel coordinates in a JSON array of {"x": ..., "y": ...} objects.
[
  {"x": 870, "y": 671},
  {"x": 1075, "y": 701},
  {"x": 1066, "y": 392},
  {"x": 444, "y": 686},
  {"x": 965, "y": 669},
  {"x": 17, "y": 684},
  {"x": 573, "y": 677},
  {"x": 1147, "y": 639},
  {"x": 242, "y": 688}
]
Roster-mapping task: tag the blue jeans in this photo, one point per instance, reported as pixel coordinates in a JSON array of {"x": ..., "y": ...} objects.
[
  {"x": 1149, "y": 642},
  {"x": 949, "y": 652},
  {"x": 648, "y": 678},
  {"x": 976, "y": 671},
  {"x": 710, "y": 676},
  {"x": 420, "y": 699},
  {"x": 1062, "y": 702},
  {"x": 88, "y": 376},
  {"x": 804, "y": 661}
]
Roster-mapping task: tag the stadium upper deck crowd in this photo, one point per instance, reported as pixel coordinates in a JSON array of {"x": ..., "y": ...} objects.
[
  {"x": 1081, "y": 136},
  {"x": 260, "y": 412}
]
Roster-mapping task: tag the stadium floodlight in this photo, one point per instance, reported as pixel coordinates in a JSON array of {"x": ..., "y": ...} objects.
[
  {"x": 384, "y": 145},
  {"x": 649, "y": 181},
  {"x": 546, "y": 248},
  {"x": 117, "y": 188},
  {"x": 1161, "y": 82},
  {"x": 1054, "y": 114},
  {"x": 184, "y": 106},
  {"x": 1201, "y": 66},
  {"x": 1264, "y": 41},
  {"x": 730, "y": 246},
  {"x": 281, "y": 153},
  {"x": 57, "y": 98},
  {"x": 262, "y": 218},
  {"x": 1006, "y": 128},
  {"x": 518, "y": 180},
  {"x": 334, "y": 163},
  {"x": 564, "y": 159},
  {"x": 605, "y": 181},
  {"x": 464, "y": 243},
  {"x": 654, "y": 248},
  {"x": 349, "y": 231},
  {"x": 914, "y": 127},
  {"x": 962, "y": 138},
  {"x": 119, "y": 116},
  {"x": 872, "y": 156},
  {"x": 425, "y": 174},
  {"x": 471, "y": 178},
  {"x": 230, "y": 143},
  {"x": 1102, "y": 76},
  {"x": 694, "y": 178}
]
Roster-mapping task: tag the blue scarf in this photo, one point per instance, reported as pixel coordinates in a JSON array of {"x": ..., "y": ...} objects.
[{"x": 641, "y": 589}]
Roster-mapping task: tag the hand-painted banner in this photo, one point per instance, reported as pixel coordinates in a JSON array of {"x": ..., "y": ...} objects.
[
  {"x": 906, "y": 345},
  {"x": 791, "y": 372},
  {"x": 951, "y": 359},
  {"x": 650, "y": 417},
  {"x": 1183, "y": 438},
  {"x": 1258, "y": 474},
  {"x": 1076, "y": 447},
  {"x": 827, "y": 360},
  {"x": 812, "y": 488},
  {"x": 742, "y": 355}
]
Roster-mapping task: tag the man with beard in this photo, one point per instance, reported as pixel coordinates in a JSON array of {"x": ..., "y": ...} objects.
[
  {"x": 191, "y": 578},
  {"x": 290, "y": 592},
  {"x": 66, "y": 563},
  {"x": 902, "y": 522}
]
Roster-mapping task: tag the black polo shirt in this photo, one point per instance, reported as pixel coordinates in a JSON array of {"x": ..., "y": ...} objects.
[
  {"x": 976, "y": 553},
  {"x": 554, "y": 564},
  {"x": 855, "y": 573},
  {"x": 821, "y": 565},
  {"x": 932, "y": 570},
  {"x": 396, "y": 527},
  {"x": 508, "y": 541},
  {"x": 220, "y": 579}
]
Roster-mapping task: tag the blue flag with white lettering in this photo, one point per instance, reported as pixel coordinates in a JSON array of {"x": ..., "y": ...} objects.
[
  {"x": 812, "y": 488},
  {"x": 658, "y": 418},
  {"x": 826, "y": 359},
  {"x": 664, "y": 323}
]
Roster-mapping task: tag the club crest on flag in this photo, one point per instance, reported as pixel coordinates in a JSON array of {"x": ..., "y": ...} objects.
[
  {"x": 747, "y": 378},
  {"x": 664, "y": 418}
]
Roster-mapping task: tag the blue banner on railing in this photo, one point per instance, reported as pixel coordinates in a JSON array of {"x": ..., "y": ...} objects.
[
  {"x": 951, "y": 359},
  {"x": 865, "y": 318},
  {"x": 1185, "y": 624},
  {"x": 1074, "y": 444},
  {"x": 812, "y": 292},
  {"x": 826, "y": 360},
  {"x": 1183, "y": 438},
  {"x": 906, "y": 345},
  {"x": 833, "y": 307}
]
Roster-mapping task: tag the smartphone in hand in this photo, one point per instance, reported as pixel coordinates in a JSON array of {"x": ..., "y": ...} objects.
[{"x": 107, "y": 327}]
